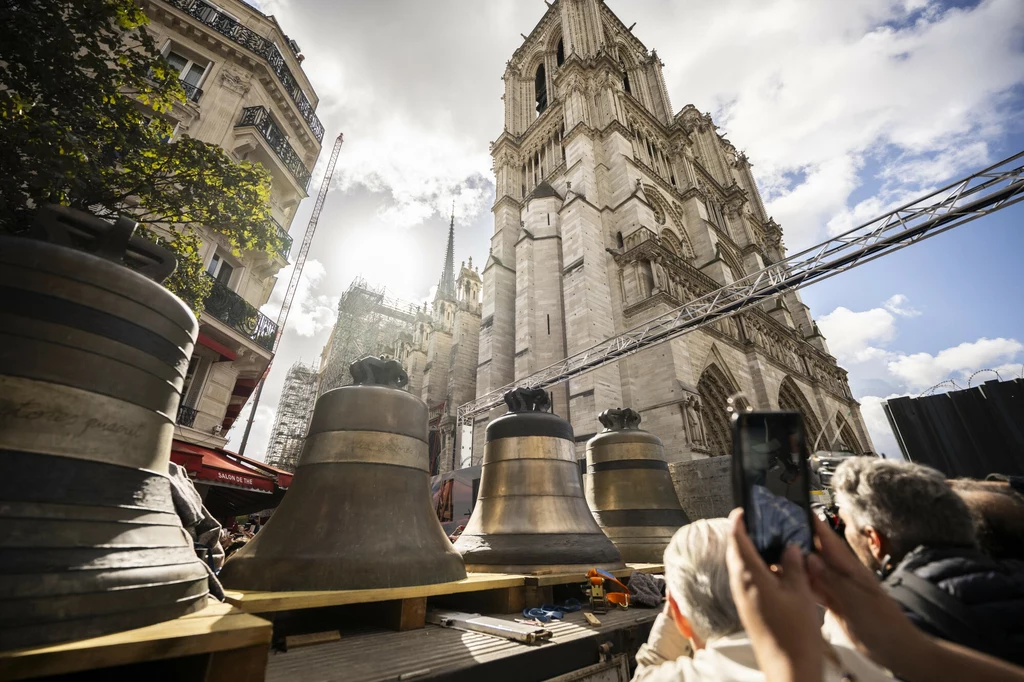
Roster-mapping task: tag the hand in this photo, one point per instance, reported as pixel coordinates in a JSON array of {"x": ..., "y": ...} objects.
[
  {"x": 872, "y": 620},
  {"x": 777, "y": 609}
]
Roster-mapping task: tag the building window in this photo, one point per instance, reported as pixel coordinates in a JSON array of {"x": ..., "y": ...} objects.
[
  {"x": 195, "y": 380},
  {"x": 190, "y": 73},
  {"x": 541, "y": 86},
  {"x": 625, "y": 83},
  {"x": 560, "y": 53},
  {"x": 220, "y": 269},
  {"x": 618, "y": 240},
  {"x": 210, "y": 13}
]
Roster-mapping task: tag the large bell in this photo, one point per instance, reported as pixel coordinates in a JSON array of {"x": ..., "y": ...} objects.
[
  {"x": 358, "y": 514},
  {"x": 530, "y": 514},
  {"x": 92, "y": 361},
  {"x": 629, "y": 488}
]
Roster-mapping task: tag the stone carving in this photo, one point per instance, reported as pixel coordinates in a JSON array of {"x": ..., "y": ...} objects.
[
  {"x": 734, "y": 204},
  {"x": 235, "y": 82},
  {"x": 694, "y": 423}
]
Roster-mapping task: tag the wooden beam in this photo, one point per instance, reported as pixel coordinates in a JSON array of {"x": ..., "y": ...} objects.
[
  {"x": 269, "y": 602},
  {"x": 219, "y": 627}
]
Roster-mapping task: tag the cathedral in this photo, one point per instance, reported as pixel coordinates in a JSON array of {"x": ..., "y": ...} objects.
[
  {"x": 610, "y": 210},
  {"x": 437, "y": 345}
]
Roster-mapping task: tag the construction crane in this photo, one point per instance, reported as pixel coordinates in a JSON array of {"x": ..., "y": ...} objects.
[
  {"x": 977, "y": 195},
  {"x": 293, "y": 283}
]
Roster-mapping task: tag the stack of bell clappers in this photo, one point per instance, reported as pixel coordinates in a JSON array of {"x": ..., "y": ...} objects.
[{"x": 358, "y": 525}]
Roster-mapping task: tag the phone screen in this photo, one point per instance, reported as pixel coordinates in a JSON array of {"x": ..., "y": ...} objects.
[{"x": 772, "y": 476}]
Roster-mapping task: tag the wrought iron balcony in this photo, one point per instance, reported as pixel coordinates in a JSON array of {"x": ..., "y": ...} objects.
[
  {"x": 186, "y": 415},
  {"x": 192, "y": 92},
  {"x": 286, "y": 240},
  {"x": 259, "y": 118},
  {"x": 240, "y": 315},
  {"x": 257, "y": 44}
]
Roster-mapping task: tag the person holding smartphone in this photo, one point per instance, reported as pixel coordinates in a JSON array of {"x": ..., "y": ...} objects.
[
  {"x": 700, "y": 637},
  {"x": 779, "y": 612}
]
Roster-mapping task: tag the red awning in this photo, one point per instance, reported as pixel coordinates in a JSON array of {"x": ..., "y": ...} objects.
[
  {"x": 283, "y": 478},
  {"x": 220, "y": 467}
]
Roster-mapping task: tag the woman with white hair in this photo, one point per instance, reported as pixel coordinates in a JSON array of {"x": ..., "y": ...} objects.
[{"x": 701, "y": 613}]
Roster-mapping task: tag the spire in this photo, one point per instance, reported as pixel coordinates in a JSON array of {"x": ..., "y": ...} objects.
[{"x": 446, "y": 285}]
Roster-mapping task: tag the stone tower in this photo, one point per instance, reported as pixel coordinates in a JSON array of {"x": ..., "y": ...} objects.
[
  {"x": 446, "y": 339},
  {"x": 610, "y": 210}
]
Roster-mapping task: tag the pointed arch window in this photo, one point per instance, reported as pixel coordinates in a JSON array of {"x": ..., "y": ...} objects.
[
  {"x": 714, "y": 389},
  {"x": 541, "y": 86},
  {"x": 560, "y": 53},
  {"x": 791, "y": 398},
  {"x": 671, "y": 243}
]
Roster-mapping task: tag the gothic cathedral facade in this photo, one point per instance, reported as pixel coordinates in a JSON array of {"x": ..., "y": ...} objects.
[{"x": 611, "y": 209}]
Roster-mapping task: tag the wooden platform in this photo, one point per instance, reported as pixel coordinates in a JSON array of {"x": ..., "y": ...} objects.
[
  {"x": 269, "y": 602},
  {"x": 404, "y": 608},
  {"x": 220, "y": 643}
]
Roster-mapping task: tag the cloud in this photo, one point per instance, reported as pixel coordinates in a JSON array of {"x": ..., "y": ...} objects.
[
  {"x": 806, "y": 208},
  {"x": 897, "y": 305},
  {"x": 853, "y": 336},
  {"x": 860, "y": 341},
  {"x": 922, "y": 370},
  {"x": 878, "y": 425},
  {"x": 820, "y": 94},
  {"x": 310, "y": 312},
  {"x": 259, "y": 435}
]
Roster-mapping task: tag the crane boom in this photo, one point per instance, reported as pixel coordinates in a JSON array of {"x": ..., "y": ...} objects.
[
  {"x": 307, "y": 241},
  {"x": 293, "y": 282},
  {"x": 972, "y": 197}
]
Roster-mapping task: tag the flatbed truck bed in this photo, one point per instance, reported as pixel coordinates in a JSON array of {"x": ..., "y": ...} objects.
[{"x": 438, "y": 653}]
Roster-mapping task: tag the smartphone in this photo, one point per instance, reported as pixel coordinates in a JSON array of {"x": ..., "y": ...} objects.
[{"x": 772, "y": 480}]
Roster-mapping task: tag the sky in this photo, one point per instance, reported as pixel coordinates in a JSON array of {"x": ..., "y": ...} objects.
[{"x": 845, "y": 109}]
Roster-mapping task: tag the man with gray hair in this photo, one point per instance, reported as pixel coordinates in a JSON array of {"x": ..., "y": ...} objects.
[
  {"x": 905, "y": 522},
  {"x": 699, "y": 637}
]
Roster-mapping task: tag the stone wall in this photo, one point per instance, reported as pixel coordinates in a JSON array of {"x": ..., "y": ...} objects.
[{"x": 704, "y": 486}]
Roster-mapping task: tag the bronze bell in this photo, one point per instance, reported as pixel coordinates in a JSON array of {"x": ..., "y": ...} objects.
[
  {"x": 530, "y": 514},
  {"x": 93, "y": 356},
  {"x": 629, "y": 488},
  {"x": 358, "y": 514}
]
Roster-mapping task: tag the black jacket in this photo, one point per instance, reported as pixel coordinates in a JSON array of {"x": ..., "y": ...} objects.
[{"x": 986, "y": 611}]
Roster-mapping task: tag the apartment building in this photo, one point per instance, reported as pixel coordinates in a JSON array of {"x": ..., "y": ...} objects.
[{"x": 246, "y": 92}]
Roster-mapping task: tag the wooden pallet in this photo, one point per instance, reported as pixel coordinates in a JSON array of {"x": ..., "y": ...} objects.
[
  {"x": 218, "y": 643},
  {"x": 397, "y": 608}
]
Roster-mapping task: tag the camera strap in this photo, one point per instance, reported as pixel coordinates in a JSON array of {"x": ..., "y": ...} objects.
[{"x": 944, "y": 613}]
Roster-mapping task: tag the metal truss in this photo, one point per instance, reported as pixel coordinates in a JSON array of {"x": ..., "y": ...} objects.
[{"x": 975, "y": 196}]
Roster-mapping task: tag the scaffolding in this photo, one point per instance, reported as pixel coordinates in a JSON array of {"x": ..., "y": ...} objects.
[
  {"x": 370, "y": 322},
  {"x": 292, "y": 420}
]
